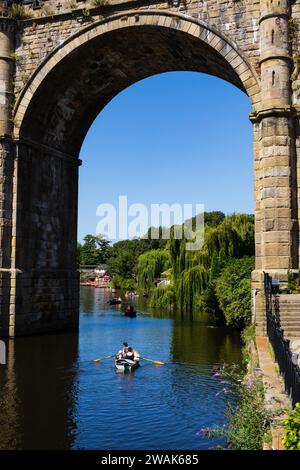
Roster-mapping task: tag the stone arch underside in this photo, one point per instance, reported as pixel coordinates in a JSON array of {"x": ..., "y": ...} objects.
[{"x": 78, "y": 80}]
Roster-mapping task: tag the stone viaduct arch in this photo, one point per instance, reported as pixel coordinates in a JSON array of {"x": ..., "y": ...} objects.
[{"x": 56, "y": 74}]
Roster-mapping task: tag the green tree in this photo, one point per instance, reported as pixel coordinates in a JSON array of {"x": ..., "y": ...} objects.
[
  {"x": 163, "y": 298},
  {"x": 233, "y": 289},
  {"x": 195, "y": 273},
  {"x": 122, "y": 264},
  {"x": 124, "y": 255},
  {"x": 95, "y": 250},
  {"x": 213, "y": 218},
  {"x": 150, "y": 266}
]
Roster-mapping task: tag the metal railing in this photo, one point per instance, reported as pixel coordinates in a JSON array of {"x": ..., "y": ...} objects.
[{"x": 287, "y": 361}]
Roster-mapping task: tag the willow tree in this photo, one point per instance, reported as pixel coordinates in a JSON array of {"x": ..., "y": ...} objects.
[
  {"x": 163, "y": 298},
  {"x": 192, "y": 282},
  {"x": 195, "y": 272},
  {"x": 150, "y": 266}
]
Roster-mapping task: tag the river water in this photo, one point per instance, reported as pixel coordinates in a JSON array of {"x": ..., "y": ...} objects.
[{"x": 53, "y": 397}]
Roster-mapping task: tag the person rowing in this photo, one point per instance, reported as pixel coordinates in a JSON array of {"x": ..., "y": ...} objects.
[
  {"x": 125, "y": 348},
  {"x": 130, "y": 353},
  {"x": 130, "y": 309},
  {"x": 127, "y": 358},
  {"x": 122, "y": 353},
  {"x": 130, "y": 312}
]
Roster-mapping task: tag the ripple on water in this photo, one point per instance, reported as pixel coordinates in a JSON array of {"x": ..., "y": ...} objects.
[{"x": 56, "y": 398}]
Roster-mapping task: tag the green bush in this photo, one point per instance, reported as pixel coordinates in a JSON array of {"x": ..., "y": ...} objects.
[
  {"x": 291, "y": 440},
  {"x": 19, "y": 12},
  {"x": 248, "y": 421},
  {"x": 86, "y": 13},
  {"x": 248, "y": 334},
  {"x": 248, "y": 337},
  {"x": 99, "y": 3},
  {"x": 233, "y": 289},
  {"x": 207, "y": 302},
  {"x": 118, "y": 282}
]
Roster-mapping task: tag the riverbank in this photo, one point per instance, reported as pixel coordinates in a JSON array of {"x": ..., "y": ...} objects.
[
  {"x": 276, "y": 404},
  {"x": 258, "y": 421},
  {"x": 100, "y": 284}
]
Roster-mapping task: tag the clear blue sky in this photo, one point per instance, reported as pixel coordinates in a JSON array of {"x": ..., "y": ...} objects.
[{"x": 176, "y": 137}]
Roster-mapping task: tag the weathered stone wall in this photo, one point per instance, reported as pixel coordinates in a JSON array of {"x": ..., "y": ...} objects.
[
  {"x": 6, "y": 201},
  {"x": 275, "y": 161},
  {"x": 7, "y": 165},
  {"x": 36, "y": 38},
  {"x": 294, "y": 40},
  {"x": 47, "y": 227}
]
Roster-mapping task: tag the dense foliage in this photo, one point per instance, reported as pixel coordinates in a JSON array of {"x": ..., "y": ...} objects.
[
  {"x": 233, "y": 290},
  {"x": 247, "y": 421},
  {"x": 94, "y": 251},
  {"x": 124, "y": 255},
  {"x": 120, "y": 282},
  {"x": 163, "y": 298},
  {"x": 150, "y": 266},
  {"x": 291, "y": 439},
  {"x": 214, "y": 279}
]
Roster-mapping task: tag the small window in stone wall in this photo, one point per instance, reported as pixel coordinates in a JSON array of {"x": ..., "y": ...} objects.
[{"x": 273, "y": 77}]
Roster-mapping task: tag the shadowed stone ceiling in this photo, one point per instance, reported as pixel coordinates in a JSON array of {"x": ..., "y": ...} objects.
[{"x": 78, "y": 88}]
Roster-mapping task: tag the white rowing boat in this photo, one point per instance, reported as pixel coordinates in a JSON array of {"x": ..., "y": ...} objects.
[{"x": 126, "y": 365}]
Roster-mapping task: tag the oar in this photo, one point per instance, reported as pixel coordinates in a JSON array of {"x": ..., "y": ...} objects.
[
  {"x": 152, "y": 360},
  {"x": 99, "y": 360}
]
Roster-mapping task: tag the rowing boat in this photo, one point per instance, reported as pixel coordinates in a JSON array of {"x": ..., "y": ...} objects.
[
  {"x": 126, "y": 365},
  {"x": 130, "y": 313},
  {"x": 115, "y": 301}
]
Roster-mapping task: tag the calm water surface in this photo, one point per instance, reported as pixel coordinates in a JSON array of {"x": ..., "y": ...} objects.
[{"x": 53, "y": 397}]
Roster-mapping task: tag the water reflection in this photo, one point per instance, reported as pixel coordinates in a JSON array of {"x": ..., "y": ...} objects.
[
  {"x": 193, "y": 342},
  {"x": 94, "y": 299},
  {"x": 9, "y": 410},
  {"x": 39, "y": 393},
  {"x": 53, "y": 397}
]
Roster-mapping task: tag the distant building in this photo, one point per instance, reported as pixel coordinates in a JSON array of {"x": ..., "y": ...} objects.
[
  {"x": 164, "y": 282},
  {"x": 101, "y": 270}
]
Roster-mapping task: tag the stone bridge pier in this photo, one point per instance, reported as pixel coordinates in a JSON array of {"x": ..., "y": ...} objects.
[{"x": 62, "y": 62}]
